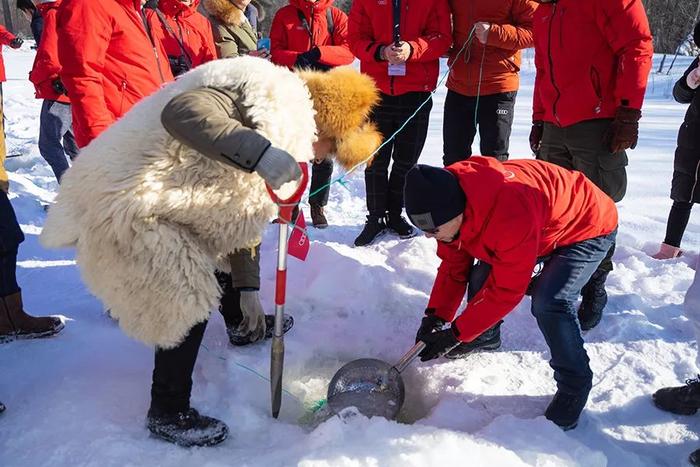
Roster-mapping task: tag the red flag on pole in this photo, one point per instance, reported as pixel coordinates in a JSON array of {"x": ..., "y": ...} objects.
[{"x": 299, "y": 243}]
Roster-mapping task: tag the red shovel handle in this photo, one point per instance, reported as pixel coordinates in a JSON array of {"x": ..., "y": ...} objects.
[{"x": 286, "y": 206}]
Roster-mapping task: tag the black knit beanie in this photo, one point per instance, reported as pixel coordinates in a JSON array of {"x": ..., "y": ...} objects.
[{"x": 432, "y": 196}]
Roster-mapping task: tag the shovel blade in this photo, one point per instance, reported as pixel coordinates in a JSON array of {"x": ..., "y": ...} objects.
[{"x": 276, "y": 370}]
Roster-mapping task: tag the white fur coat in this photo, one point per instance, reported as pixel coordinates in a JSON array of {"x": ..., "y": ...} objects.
[{"x": 151, "y": 219}]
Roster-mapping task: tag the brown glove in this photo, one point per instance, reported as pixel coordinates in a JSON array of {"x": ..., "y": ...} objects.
[
  {"x": 5, "y": 186},
  {"x": 536, "y": 136},
  {"x": 624, "y": 131}
]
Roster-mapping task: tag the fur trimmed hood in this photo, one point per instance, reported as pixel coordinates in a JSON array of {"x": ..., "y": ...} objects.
[
  {"x": 151, "y": 219},
  {"x": 343, "y": 100},
  {"x": 226, "y": 11}
]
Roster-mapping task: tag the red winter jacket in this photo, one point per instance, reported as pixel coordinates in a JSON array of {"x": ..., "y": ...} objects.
[
  {"x": 109, "y": 62},
  {"x": 191, "y": 28},
  {"x": 425, "y": 25},
  {"x": 5, "y": 38},
  {"x": 516, "y": 211},
  {"x": 591, "y": 57},
  {"x": 289, "y": 37},
  {"x": 511, "y": 30},
  {"x": 46, "y": 68}
]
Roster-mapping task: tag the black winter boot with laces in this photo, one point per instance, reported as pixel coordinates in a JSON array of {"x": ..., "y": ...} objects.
[
  {"x": 397, "y": 224},
  {"x": 565, "y": 409},
  {"x": 187, "y": 428},
  {"x": 681, "y": 400},
  {"x": 374, "y": 228}
]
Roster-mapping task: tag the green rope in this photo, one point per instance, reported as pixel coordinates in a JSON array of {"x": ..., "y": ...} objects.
[{"x": 341, "y": 179}]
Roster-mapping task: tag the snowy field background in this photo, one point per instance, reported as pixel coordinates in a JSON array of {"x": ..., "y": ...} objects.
[{"x": 79, "y": 399}]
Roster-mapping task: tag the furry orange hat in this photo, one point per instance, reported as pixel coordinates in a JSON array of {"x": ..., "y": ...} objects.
[{"x": 343, "y": 99}]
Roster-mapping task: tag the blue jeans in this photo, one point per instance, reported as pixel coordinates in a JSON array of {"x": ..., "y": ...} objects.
[
  {"x": 56, "y": 136},
  {"x": 554, "y": 299}
]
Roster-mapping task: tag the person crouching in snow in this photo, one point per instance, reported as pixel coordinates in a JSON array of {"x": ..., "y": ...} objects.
[
  {"x": 166, "y": 195},
  {"x": 508, "y": 215}
]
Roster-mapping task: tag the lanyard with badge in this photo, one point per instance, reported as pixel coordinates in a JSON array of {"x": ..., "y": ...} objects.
[{"x": 398, "y": 69}]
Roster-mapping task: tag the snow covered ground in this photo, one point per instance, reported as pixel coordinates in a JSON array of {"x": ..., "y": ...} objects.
[{"x": 80, "y": 398}]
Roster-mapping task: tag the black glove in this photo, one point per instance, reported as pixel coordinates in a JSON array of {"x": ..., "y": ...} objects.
[
  {"x": 536, "y": 136},
  {"x": 16, "y": 43},
  {"x": 429, "y": 324},
  {"x": 58, "y": 87},
  {"x": 438, "y": 344},
  {"x": 309, "y": 60}
]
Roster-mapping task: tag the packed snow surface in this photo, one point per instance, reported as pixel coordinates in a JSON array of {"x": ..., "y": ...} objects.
[{"x": 79, "y": 399}]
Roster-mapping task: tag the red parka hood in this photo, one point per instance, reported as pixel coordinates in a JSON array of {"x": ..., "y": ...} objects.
[
  {"x": 177, "y": 8},
  {"x": 481, "y": 182}
]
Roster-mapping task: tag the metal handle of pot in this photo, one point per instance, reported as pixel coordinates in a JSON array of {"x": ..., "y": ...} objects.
[{"x": 409, "y": 356}]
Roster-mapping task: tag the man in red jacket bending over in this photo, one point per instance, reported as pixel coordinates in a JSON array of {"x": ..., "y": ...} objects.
[
  {"x": 509, "y": 215},
  {"x": 592, "y": 60},
  {"x": 110, "y": 61}
]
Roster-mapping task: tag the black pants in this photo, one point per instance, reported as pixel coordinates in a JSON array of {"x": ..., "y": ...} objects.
[
  {"x": 677, "y": 222},
  {"x": 10, "y": 237},
  {"x": 172, "y": 372},
  {"x": 583, "y": 147},
  {"x": 384, "y": 191},
  {"x": 494, "y": 117},
  {"x": 321, "y": 174}
]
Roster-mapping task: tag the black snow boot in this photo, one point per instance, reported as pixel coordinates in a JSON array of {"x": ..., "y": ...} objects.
[
  {"x": 565, "y": 409},
  {"x": 681, "y": 400},
  {"x": 694, "y": 458},
  {"x": 239, "y": 339},
  {"x": 187, "y": 428},
  {"x": 594, "y": 299},
  {"x": 374, "y": 228},
  {"x": 397, "y": 224},
  {"x": 489, "y": 340}
]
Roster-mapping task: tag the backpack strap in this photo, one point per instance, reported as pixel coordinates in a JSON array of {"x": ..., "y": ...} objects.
[
  {"x": 329, "y": 24},
  {"x": 170, "y": 31}
]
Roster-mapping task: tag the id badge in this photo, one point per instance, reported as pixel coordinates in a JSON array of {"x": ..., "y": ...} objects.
[{"x": 397, "y": 70}]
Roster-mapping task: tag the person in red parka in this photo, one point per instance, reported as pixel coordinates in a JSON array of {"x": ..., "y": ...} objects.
[
  {"x": 509, "y": 215},
  {"x": 593, "y": 59},
  {"x": 110, "y": 61},
  {"x": 56, "y": 139},
  {"x": 6, "y": 38},
  {"x": 484, "y": 79},
  {"x": 185, "y": 33},
  {"x": 401, "y": 53},
  {"x": 312, "y": 34}
]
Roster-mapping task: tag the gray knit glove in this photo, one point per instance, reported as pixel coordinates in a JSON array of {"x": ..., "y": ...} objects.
[{"x": 277, "y": 167}]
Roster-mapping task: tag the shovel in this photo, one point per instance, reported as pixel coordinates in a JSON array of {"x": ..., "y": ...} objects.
[
  {"x": 373, "y": 386},
  {"x": 284, "y": 216}
]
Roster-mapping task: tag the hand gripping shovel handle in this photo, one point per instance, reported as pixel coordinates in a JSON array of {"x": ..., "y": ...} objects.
[
  {"x": 286, "y": 206},
  {"x": 409, "y": 356}
]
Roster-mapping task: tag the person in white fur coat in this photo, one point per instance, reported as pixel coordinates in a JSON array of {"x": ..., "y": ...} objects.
[{"x": 176, "y": 188}]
